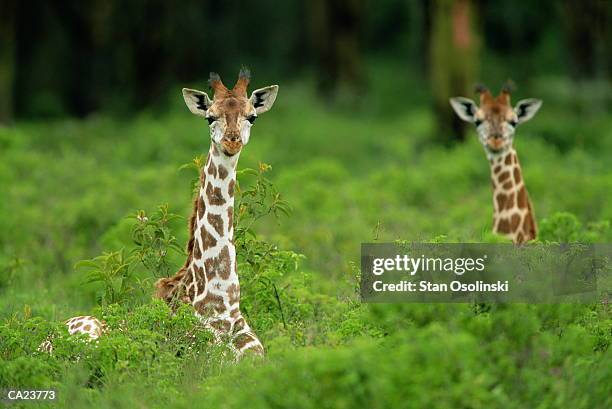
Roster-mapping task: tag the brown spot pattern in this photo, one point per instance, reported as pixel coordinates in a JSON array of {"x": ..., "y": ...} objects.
[
  {"x": 508, "y": 159},
  {"x": 219, "y": 266},
  {"x": 505, "y": 175},
  {"x": 510, "y": 201},
  {"x": 528, "y": 226},
  {"x": 191, "y": 292},
  {"x": 215, "y": 301},
  {"x": 514, "y": 222},
  {"x": 522, "y": 198},
  {"x": 507, "y": 185},
  {"x": 197, "y": 253},
  {"x": 216, "y": 222},
  {"x": 201, "y": 206},
  {"x": 230, "y": 188},
  {"x": 215, "y": 197},
  {"x": 519, "y": 238},
  {"x": 210, "y": 272},
  {"x": 208, "y": 240},
  {"x": 239, "y": 324},
  {"x": 221, "y": 325},
  {"x": 241, "y": 340},
  {"x": 501, "y": 201},
  {"x": 496, "y": 169},
  {"x": 199, "y": 273},
  {"x": 87, "y": 328},
  {"x": 233, "y": 292},
  {"x": 212, "y": 169},
  {"x": 257, "y": 349},
  {"x": 222, "y": 172},
  {"x": 517, "y": 175},
  {"x": 230, "y": 218},
  {"x": 192, "y": 225},
  {"x": 210, "y": 303},
  {"x": 503, "y": 226}
]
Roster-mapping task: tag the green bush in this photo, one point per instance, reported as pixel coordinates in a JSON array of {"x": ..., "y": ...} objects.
[{"x": 66, "y": 187}]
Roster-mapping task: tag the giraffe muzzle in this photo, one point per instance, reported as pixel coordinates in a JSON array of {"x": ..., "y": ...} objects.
[
  {"x": 231, "y": 145},
  {"x": 496, "y": 143}
]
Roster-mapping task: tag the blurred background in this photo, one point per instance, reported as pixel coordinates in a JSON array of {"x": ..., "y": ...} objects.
[{"x": 74, "y": 58}]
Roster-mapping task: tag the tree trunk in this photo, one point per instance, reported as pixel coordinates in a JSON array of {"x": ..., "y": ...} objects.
[
  {"x": 7, "y": 59},
  {"x": 334, "y": 28},
  {"x": 454, "y": 48},
  {"x": 587, "y": 35}
]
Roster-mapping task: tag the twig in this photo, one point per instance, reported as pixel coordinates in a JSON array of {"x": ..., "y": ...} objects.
[{"x": 280, "y": 306}]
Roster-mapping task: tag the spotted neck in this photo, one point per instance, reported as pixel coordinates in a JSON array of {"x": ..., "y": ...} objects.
[
  {"x": 213, "y": 257},
  {"x": 210, "y": 279},
  {"x": 513, "y": 215}
]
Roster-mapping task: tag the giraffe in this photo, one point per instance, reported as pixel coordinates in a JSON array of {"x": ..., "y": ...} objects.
[
  {"x": 496, "y": 121},
  {"x": 208, "y": 279},
  {"x": 84, "y": 324}
]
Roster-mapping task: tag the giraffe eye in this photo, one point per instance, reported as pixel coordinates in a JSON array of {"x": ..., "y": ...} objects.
[
  {"x": 211, "y": 119},
  {"x": 251, "y": 118},
  {"x": 512, "y": 123},
  {"x": 477, "y": 122}
]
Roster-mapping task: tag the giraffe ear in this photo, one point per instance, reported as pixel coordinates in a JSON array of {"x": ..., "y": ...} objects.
[
  {"x": 263, "y": 98},
  {"x": 526, "y": 108},
  {"x": 197, "y": 101},
  {"x": 465, "y": 108}
]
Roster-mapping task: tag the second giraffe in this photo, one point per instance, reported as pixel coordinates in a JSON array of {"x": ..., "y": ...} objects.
[{"x": 496, "y": 122}]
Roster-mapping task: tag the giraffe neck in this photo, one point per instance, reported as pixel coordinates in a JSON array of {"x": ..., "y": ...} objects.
[
  {"x": 513, "y": 215},
  {"x": 208, "y": 280},
  {"x": 212, "y": 282}
]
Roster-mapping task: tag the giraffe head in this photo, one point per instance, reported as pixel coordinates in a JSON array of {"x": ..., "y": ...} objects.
[
  {"x": 231, "y": 113},
  {"x": 495, "y": 119}
]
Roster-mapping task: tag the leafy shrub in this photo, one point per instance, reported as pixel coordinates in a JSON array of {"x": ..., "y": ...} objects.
[
  {"x": 115, "y": 270},
  {"x": 139, "y": 341},
  {"x": 564, "y": 227}
]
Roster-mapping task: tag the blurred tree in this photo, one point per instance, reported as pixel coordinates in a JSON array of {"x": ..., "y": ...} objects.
[
  {"x": 7, "y": 58},
  {"x": 454, "y": 53},
  {"x": 421, "y": 11},
  {"x": 74, "y": 57},
  {"x": 335, "y": 31},
  {"x": 75, "y": 20},
  {"x": 587, "y": 29}
]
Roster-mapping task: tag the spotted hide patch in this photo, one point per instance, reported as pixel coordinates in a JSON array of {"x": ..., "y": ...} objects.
[{"x": 219, "y": 266}]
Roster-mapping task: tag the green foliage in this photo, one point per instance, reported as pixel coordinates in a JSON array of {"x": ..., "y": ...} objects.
[
  {"x": 258, "y": 200},
  {"x": 66, "y": 187},
  {"x": 115, "y": 270},
  {"x": 564, "y": 227},
  {"x": 142, "y": 341},
  {"x": 262, "y": 265},
  {"x": 154, "y": 240},
  {"x": 8, "y": 269}
]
